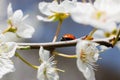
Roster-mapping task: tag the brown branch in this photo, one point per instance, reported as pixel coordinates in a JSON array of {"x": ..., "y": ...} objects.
[{"x": 51, "y": 45}]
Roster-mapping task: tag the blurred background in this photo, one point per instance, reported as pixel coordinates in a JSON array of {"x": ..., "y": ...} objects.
[{"x": 108, "y": 67}]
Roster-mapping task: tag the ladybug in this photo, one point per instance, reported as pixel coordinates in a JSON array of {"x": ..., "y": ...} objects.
[{"x": 67, "y": 37}]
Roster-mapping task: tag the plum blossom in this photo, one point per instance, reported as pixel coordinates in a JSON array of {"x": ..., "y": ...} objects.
[
  {"x": 102, "y": 14},
  {"x": 87, "y": 55},
  {"x": 46, "y": 70},
  {"x": 53, "y": 11},
  {"x": 17, "y": 24},
  {"x": 7, "y": 50}
]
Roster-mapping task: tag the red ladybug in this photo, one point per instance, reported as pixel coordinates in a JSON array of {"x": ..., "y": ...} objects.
[{"x": 67, "y": 37}]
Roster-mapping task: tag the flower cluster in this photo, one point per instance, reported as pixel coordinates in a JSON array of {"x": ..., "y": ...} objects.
[
  {"x": 46, "y": 70},
  {"x": 55, "y": 11},
  {"x": 16, "y": 25},
  {"x": 102, "y": 15},
  {"x": 87, "y": 55},
  {"x": 7, "y": 50}
]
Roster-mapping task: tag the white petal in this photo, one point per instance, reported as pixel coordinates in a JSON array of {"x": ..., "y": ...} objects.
[
  {"x": 87, "y": 70},
  {"x": 110, "y": 6},
  {"x": 26, "y": 16},
  {"x": 25, "y": 31},
  {"x": 81, "y": 66},
  {"x": 7, "y": 50},
  {"x": 9, "y": 10},
  {"x": 44, "y": 8},
  {"x": 40, "y": 73},
  {"x": 68, "y": 5},
  {"x": 52, "y": 74},
  {"x": 55, "y": 7},
  {"x": 44, "y": 18},
  {"x": 59, "y": 8},
  {"x": 89, "y": 74},
  {"x": 6, "y": 66},
  {"x": 44, "y": 54},
  {"x": 107, "y": 26},
  {"x": 99, "y": 34},
  {"x": 82, "y": 13},
  {"x": 18, "y": 14},
  {"x": 2, "y": 36},
  {"x": 115, "y": 17},
  {"x": 17, "y": 17},
  {"x": 96, "y": 56}
]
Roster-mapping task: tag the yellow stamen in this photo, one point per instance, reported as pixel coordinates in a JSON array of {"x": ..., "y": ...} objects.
[
  {"x": 83, "y": 56},
  {"x": 59, "y": 16},
  {"x": 107, "y": 34},
  {"x": 99, "y": 14}
]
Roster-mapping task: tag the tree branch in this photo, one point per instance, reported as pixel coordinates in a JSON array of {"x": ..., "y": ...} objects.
[{"x": 51, "y": 45}]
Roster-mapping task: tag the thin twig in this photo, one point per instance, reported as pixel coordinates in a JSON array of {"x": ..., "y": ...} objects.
[
  {"x": 26, "y": 62},
  {"x": 64, "y": 55},
  {"x": 92, "y": 32},
  {"x": 57, "y": 31}
]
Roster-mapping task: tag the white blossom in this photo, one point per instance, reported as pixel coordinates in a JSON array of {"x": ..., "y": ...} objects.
[
  {"x": 87, "y": 55},
  {"x": 47, "y": 70},
  {"x": 17, "y": 23},
  {"x": 102, "y": 14},
  {"x": 7, "y": 50},
  {"x": 53, "y": 11}
]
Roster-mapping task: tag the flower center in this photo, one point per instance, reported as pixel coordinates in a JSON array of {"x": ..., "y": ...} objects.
[
  {"x": 59, "y": 16},
  {"x": 11, "y": 28},
  {"x": 83, "y": 56},
  {"x": 99, "y": 15}
]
